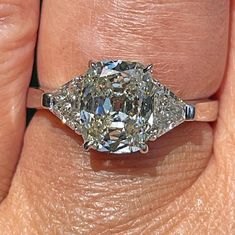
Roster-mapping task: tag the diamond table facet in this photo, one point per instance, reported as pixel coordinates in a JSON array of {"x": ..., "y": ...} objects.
[{"x": 117, "y": 107}]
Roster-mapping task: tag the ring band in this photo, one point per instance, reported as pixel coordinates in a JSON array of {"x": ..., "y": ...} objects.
[{"x": 117, "y": 106}]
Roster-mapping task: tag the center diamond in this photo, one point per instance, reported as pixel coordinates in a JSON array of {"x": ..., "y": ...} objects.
[{"x": 118, "y": 107}]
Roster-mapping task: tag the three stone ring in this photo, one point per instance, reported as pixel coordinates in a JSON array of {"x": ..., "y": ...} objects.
[{"x": 117, "y": 106}]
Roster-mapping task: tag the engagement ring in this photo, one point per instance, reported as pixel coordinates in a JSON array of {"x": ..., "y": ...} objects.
[{"x": 117, "y": 106}]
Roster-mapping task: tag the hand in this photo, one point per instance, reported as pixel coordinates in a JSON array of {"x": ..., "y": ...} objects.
[{"x": 184, "y": 185}]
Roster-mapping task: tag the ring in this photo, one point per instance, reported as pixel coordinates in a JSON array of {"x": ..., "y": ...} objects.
[{"x": 117, "y": 106}]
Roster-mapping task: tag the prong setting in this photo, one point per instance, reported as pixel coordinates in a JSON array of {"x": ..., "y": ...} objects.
[
  {"x": 46, "y": 100},
  {"x": 189, "y": 112},
  {"x": 144, "y": 149},
  {"x": 153, "y": 138},
  {"x": 87, "y": 146},
  {"x": 91, "y": 64},
  {"x": 148, "y": 68}
]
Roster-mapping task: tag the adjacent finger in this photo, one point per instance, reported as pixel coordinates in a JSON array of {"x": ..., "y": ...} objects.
[{"x": 18, "y": 29}]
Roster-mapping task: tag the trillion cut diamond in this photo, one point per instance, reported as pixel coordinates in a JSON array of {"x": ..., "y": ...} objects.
[{"x": 117, "y": 107}]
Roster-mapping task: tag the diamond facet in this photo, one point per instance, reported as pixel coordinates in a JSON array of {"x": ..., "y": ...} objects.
[{"x": 117, "y": 107}]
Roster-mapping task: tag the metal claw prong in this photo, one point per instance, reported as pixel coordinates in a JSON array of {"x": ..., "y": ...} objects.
[
  {"x": 46, "y": 100},
  {"x": 87, "y": 146},
  {"x": 144, "y": 149},
  {"x": 153, "y": 138},
  {"x": 91, "y": 63},
  {"x": 149, "y": 68}
]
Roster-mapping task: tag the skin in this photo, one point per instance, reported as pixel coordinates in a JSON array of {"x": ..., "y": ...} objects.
[{"x": 184, "y": 185}]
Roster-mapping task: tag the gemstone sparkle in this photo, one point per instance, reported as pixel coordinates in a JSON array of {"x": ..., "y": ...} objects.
[{"x": 117, "y": 107}]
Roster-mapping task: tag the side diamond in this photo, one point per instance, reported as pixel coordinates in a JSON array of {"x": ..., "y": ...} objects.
[
  {"x": 169, "y": 111},
  {"x": 66, "y": 103}
]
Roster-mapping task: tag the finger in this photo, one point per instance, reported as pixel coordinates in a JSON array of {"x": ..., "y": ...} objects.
[
  {"x": 69, "y": 192},
  {"x": 213, "y": 192},
  {"x": 189, "y": 53},
  {"x": 187, "y": 50},
  {"x": 18, "y": 28}
]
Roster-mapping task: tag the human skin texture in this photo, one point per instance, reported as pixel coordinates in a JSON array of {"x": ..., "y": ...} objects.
[{"x": 185, "y": 184}]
